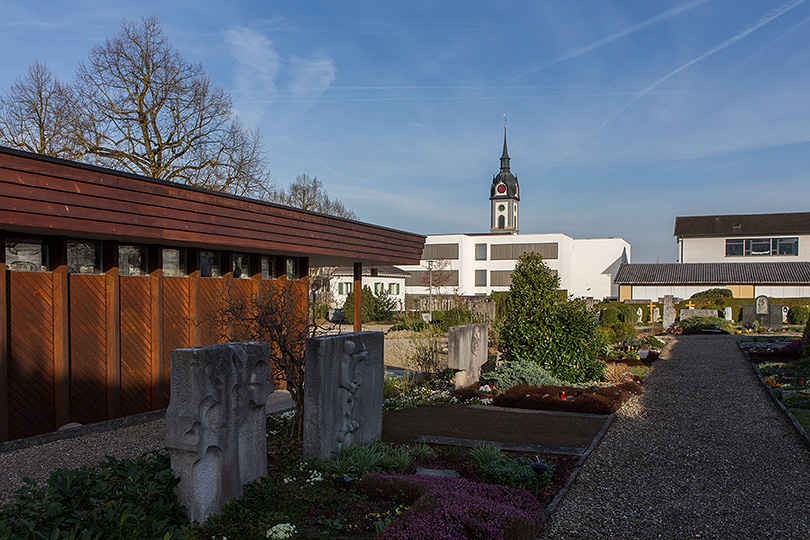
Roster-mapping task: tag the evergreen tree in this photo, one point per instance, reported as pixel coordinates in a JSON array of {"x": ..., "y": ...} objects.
[{"x": 538, "y": 326}]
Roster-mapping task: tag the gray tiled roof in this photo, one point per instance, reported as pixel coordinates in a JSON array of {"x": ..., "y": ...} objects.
[
  {"x": 782, "y": 273},
  {"x": 743, "y": 224}
]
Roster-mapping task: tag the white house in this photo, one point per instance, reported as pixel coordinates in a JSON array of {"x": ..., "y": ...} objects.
[
  {"x": 750, "y": 254},
  {"x": 477, "y": 264},
  {"x": 380, "y": 279}
]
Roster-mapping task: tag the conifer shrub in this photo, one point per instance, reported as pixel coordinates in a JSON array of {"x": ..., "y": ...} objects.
[{"x": 510, "y": 374}]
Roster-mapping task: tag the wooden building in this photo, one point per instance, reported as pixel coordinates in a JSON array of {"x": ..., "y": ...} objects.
[{"x": 104, "y": 273}]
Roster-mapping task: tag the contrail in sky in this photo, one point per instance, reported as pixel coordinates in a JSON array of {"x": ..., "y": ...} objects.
[
  {"x": 762, "y": 21},
  {"x": 613, "y": 37}
]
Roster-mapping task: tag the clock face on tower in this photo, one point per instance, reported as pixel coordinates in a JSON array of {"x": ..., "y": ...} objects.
[{"x": 501, "y": 188}]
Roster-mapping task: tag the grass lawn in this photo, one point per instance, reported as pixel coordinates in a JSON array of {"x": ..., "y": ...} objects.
[{"x": 803, "y": 416}]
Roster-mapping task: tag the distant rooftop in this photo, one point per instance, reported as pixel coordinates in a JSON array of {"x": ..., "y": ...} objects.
[
  {"x": 743, "y": 224},
  {"x": 758, "y": 273}
]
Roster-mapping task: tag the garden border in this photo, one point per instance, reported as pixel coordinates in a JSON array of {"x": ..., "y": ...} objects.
[{"x": 801, "y": 431}]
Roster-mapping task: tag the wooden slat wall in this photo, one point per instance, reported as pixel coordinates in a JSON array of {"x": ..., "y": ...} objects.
[
  {"x": 177, "y": 327},
  {"x": 210, "y": 298},
  {"x": 31, "y": 354},
  {"x": 136, "y": 345},
  {"x": 88, "y": 348}
]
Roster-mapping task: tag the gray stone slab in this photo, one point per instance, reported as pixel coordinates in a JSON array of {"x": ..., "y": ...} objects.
[
  {"x": 467, "y": 351},
  {"x": 343, "y": 393},
  {"x": 215, "y": 422},
  {"x": 669, "y": 312}
]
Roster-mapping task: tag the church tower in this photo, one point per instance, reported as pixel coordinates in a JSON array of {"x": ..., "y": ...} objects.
[{"x": 503, "y": 196}]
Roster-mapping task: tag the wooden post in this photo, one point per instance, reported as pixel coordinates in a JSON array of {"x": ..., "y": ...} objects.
[
  {"x": 155, "y": 258},
  {"x": 194, "y": 296},
  {"x": 3, "y": 341},
  {"x": 113, "y": 308},
  {"x": 358, "y": 297},
  {"x": 61, "y": 338}
]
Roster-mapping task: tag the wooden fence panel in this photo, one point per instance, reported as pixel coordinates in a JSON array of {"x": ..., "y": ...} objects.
[
  {"x": 176, "y": 324},
  {"x": 211, "y": 298},
  {"x": 30, "y": 360},
  {"x": 136, "y": 345},
  {"x": 88, "y": 348}
]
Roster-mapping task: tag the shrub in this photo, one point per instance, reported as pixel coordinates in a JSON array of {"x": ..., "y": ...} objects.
[
  {"x": 713, "y": 294},
  {"x": 798, "y": 315},
  {"x": 700, "y": 322},
  {"x": 455, "y": 317},
  {"x": 128, "y": 499},
  {"x": 506, "y": 471},
  {"x": 596, "y": 404},
  {"x": 511, "y": 374},
  {"x": 609, "y": 316},
  {"x": 537, "y": 326},
  {"x": 465, "y": 394},
  {"x": 622, "y": 331},
  {"x": 484, "y": 453}
]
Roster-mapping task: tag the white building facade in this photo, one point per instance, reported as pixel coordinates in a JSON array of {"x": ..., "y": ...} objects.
[
  {"x": 479, "y": 264},
  {"x": 388, "y": 280}
]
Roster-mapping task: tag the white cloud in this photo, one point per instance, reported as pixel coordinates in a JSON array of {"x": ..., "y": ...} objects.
[
  {"x": 257, "y": 67},
  {"x": 311, "y": 77}
]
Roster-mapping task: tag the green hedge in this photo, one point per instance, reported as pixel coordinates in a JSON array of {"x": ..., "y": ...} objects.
[{"x": 720, "y": 304}]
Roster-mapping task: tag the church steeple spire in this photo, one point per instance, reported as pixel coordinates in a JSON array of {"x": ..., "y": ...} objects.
[
  {"x": 505, "y": 155},
  {"x": 504, "y": 195}
]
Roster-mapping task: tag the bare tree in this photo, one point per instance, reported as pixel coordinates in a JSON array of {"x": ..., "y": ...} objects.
[
  {"x": 307, "y": 193},
  {"x": 149, "y": 111},
  {"x": 35, "y": 115},
  {"x": 278, "y": 315}
]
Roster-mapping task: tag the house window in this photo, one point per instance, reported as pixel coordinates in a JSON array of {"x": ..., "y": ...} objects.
[
  {"x": 480, "y": 252},
  {"x": 292, "y": 268},
  {"x": 393, "y": 288},
  {"x": 132, "y": 260},
  {"x": 209, "y": 264},
  {"x": 761, "y": 247},
  {"x": 26, "y": 255},
  {"x": 83, "y": 257},
  {"x": 344, "y": 288},
  {"x": 241, "y": 266},
  {"x": 175, "y": 262},
  {"x": 480, "y": 278},
  {"x": 378, "y": 288},
  {"x": 268, "y": 267}
]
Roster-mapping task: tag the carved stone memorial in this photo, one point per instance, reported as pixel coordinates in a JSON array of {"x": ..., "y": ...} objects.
[
  {"x": 687, "y": 313},
  {"x": 639, "y": 314},
  {"x": 767, "y": 315},
  {"x": 467, "y": 352},
  {"x": 728, "y": 313},
  {"x": 669, "y": 312},
  {"x": 215, "y": 422},
  {"x": 343, "y": 394}
]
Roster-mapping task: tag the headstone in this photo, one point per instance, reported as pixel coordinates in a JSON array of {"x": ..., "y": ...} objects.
[
  {"x": 785, "y": 311},
  {"x": 669, "y": 312},
  {"x": 216, "y": 422},
  {"x": 467, "y": 351},
  {"x": 639, "y": 314},
  {"x": 771, "y": 319},
  {"x": 687, "y": 313},
  {"x": 762, "y": 305},
  {"x": 656, "y": 314},
  {"x": 343, "y": 395},
  {"x": 589, "y": 303},
  {"x": 728, "y": 314}
]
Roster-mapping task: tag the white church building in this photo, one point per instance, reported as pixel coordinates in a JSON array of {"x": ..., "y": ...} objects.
[{"x": 473, "y": 264}]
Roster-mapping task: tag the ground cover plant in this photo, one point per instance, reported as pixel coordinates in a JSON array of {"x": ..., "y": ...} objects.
[
  {"x": 128, "y": 500},
  {"x": 701, "y": 323}
]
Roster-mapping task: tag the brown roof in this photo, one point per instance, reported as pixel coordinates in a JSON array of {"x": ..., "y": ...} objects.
[
  {"x": 743, "y": 224},
  {"x": 49, "y": 196},
  {"x": 776, "y": 273},
  {"x": 382, "y": 271}
]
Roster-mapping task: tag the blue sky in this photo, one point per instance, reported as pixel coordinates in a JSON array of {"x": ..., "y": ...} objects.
[{"x": 622, "y": 115}]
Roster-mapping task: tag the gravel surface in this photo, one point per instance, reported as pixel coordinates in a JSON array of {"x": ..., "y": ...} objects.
[
  {"x": 703, "y": 453},
  {"x": 37, "y": 462}
]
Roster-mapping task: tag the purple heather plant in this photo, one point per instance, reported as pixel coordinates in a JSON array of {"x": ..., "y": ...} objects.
[{"x": 457, "y": 509}]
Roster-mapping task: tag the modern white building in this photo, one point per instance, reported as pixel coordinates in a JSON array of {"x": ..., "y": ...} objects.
[
  {"x": 749, "y": 254},
  {"x": 477, "y": 264}
]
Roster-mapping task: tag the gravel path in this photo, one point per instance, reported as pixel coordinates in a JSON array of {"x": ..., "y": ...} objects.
[
  {"x": 703, "y": 453},
  {"x": 37, "y": 462}
]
